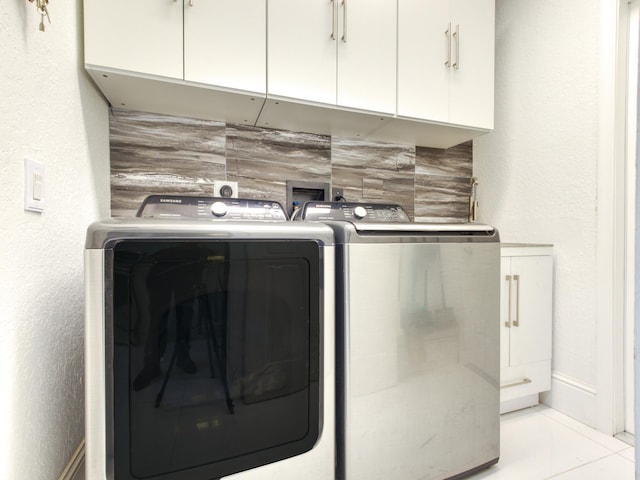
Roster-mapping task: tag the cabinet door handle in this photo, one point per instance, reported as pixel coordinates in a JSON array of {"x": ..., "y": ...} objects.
[
  {"x": 508, "y": 322},
  {"x": 447, "y": 33},
  {"x": 456, "y": 37},
  {"x": 516, "y": 279},
  {"x": 333, "y": 19},
  {"x": 191, "y": 3},
  {"x": 524, "y": 381},
  {"x": 344, "y": 21}
]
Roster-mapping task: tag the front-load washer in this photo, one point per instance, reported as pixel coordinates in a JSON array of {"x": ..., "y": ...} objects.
[
  {"x": 418, "y": 343},
  {"x": 209, "y": 344}
]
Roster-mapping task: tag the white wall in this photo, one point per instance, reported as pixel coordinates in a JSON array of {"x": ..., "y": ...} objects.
[
  {"x": 538, "y": 170},
  {"x": 51, "y": 113}
]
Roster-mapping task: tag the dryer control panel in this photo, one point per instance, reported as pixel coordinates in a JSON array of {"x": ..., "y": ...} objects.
[
  {"x": 177, "y": 206},
  {"x": 354, "y": 212}
]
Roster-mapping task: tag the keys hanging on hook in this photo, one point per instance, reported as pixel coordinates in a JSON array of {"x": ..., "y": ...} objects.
[{"x": 41, "y": 7}]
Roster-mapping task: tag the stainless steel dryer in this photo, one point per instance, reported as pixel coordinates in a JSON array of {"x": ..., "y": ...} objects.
[
  {"x": 209, "y": 344},
  {"x": 417, "y": 312}
]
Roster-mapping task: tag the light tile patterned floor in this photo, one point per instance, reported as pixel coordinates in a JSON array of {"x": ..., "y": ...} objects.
[{"x": 540, "y": 443}]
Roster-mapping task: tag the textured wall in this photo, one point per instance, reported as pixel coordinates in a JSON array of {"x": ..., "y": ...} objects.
[
  {"x": 174, "y": 155},
  {"x": 52, "y": 114},
  {"x": 537, "y": 170}
]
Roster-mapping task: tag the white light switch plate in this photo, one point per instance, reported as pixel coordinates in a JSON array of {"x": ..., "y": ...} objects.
[{"x": 34, "y": 192}]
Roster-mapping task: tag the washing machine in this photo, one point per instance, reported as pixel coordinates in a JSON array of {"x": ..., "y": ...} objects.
[
  {"x": 209, "y": 343},
  {"x": 418, "y": 343}
]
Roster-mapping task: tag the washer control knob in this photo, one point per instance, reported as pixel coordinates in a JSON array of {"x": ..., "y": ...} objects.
[
  {"x": 359, "y": 212},
  {"x": 219, "y": 209}
]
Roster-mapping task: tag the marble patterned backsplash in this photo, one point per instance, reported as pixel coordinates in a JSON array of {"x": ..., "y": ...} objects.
[{"x": 162, "y": 154}]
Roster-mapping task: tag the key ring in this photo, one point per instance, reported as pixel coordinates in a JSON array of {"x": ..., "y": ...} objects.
[{"x": 41, "y": 7}]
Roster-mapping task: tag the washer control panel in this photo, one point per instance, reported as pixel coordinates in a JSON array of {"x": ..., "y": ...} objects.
[
  {"x": 354, "y": 212},
  {"x": 177, "y": 206}
]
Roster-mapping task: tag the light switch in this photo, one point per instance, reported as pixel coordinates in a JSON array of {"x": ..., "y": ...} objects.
[
  {"x": 34, "y": 192},
  {"x": 37, "y": 186}
]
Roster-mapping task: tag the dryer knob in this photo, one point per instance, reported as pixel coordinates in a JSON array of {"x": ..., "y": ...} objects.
[
  {"x": 219, "y": 209},
  {"x": 360, "y": 212}
]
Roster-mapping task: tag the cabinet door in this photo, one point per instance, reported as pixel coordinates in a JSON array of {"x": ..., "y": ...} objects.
[
  {"x": 143, "y": 36},
  {"x": 225, "y": 43},
  {"x": 367, "y": 54},
  {"x": 531, "y": 302},
  {"x": 472, "y": 72},
  {"x": 302, "y": 49},
  {"x": 423, "y": 49}
]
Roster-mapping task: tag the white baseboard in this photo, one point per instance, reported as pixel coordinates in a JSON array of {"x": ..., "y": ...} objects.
[
  {"x": 572, "y": 397},
  {"x": 74, "y": 464},
  {"x": 519, "y": 403}
]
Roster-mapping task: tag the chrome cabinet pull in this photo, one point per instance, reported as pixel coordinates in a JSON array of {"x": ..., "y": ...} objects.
[
  {"x": 456, "y": 36},
  {"x": 344, "y": 21},
  {"x": 333, "y": 19},
  {"x": 508, "y": 322},
  {"x": 516, "y": 279},
  {"x": 524, "y": 381},
  {"x": 447, "y": 32}
]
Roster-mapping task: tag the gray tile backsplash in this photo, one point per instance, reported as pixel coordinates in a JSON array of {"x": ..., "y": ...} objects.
[
  {"x": 262, "y": 160},
  {"x": 162, "y": 154}
]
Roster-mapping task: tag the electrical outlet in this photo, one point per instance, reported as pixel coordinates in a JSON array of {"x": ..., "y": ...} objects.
[{"x": 225, "y": 189}]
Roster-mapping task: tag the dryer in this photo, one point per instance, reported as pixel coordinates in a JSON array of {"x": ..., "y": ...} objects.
[
  {"x": 209, "y": 343},
  {"x": 418, "y": 343}
]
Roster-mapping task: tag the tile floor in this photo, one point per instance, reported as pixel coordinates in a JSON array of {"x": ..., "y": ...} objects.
[{"x": 540, "y": 443}]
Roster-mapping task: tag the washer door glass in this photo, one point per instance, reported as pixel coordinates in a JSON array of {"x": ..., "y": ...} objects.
[{"x": 215, "y": 356}]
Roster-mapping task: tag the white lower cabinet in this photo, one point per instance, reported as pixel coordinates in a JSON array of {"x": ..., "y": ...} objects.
[{"x": 525, "y": 317}]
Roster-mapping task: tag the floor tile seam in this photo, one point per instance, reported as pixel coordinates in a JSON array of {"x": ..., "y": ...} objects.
[
  {"x": 622, "y": 456},
  {"x": 556, "y": 475},
  {"x": 576, "y": 430},
  {"x": 516, "y": 415}
]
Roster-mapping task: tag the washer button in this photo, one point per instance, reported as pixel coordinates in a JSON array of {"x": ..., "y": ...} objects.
[
  {"x": 360, "y": 212},
  {"x": 219, "y": 209}
]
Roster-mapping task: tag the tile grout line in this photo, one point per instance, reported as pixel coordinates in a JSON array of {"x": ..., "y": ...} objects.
[
  {"x": 550, "y": 417},
  {"x": 556, "y": 475}
]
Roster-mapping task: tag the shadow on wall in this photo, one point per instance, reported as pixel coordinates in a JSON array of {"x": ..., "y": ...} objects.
[{"x": 162, "y": 154}]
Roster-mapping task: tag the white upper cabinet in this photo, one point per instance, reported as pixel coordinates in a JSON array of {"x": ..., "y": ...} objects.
[
  {"x": 213, "y": 42},
  {"x": 410, "y": 71},
  {"x": 423, "y": 49},
  {"x": 142, "y": 36},
  {"x": 302, "y": 49},
  {"x": 472, "y": 75},
  {"x": 340, "y": 52},
  {"x": 446, "y": 61},
  {"x": 367, "y": 48},
  {"x": 225, "y": 43}
]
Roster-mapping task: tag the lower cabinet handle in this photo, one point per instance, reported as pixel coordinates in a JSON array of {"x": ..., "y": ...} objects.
[
  {"x": 516, "y": 279},
  {"x": 344, "y": 21},
  {"x": 447, "y": 32},
  {"x": 524, "y": 381},
  {"x": 333, "y": 20},
  {"x": 508, "y": 322},
  {"x": 456, "y": 36}
]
